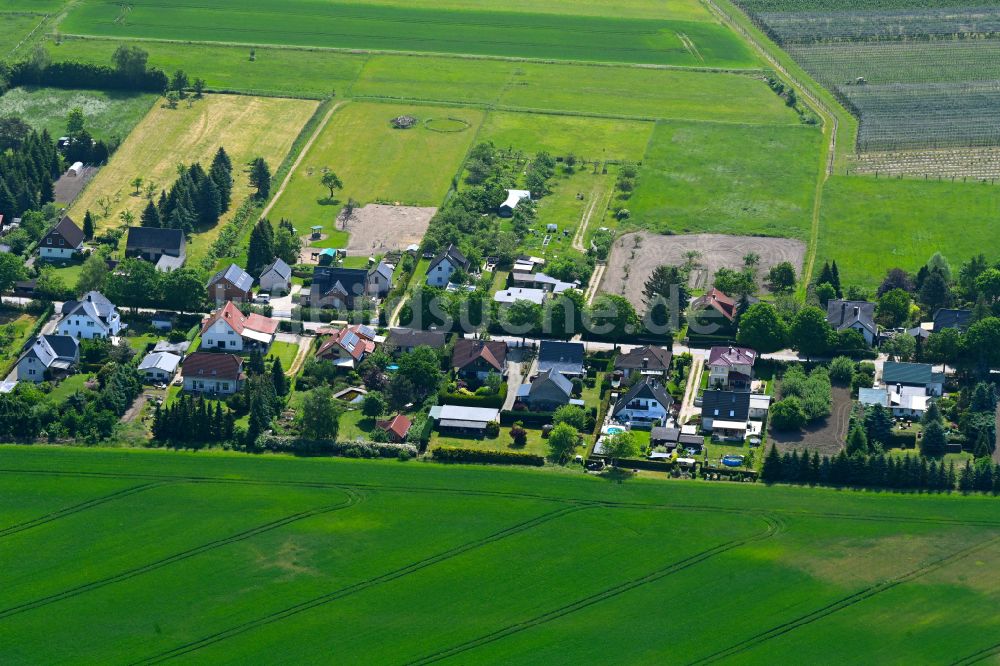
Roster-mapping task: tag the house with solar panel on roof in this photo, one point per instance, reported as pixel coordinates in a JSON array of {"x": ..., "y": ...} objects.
[
  {"x": 346, "y": 347},
  {"x": 230, "y": 284}
]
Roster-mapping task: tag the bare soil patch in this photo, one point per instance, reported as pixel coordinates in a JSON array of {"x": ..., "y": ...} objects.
[
  {"x": 379, "y": 228},
  {"x": 635, "y": 255},
  {"x": 67, "y": 188},
  {"x": 827, "y": 437}
]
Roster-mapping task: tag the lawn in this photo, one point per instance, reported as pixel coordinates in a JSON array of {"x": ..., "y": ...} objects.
[
  {"x": 68, "y": 387},
  {"x": 286, "y": 547},
  {"x": 21, "y": 325},
  {"x": 286, "y": 351},
  {"x": 69, "y": 272},
  {"x": 376, "y": 162},
  {"x": 736, "y": 179},
  {"x": 107, "y": 114},
  {"x": 586, "y": 138},
  {"x": 406, "y": 27},
  {"x": 901, "y": 223},
  {"x": 246, "y": 127},
  {"x": 503, "y": 442}
]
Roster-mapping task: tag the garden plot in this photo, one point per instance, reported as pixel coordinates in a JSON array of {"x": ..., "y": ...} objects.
[
  {"x": 635, "y": 255},
  {"x": 378, "y": 228}
]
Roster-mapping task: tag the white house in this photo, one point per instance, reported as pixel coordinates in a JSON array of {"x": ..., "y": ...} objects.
[
  {"x": 514, "y": 197},
  {"x": 647, "y": 402},
  {"x": 731, "y": 368},
  {"x": 49, "y": 357},
  {"x": 442, "y": 267},
  {"x": 229, "y": 329},
  {"x": 276, "y": 278},
  {"x": 159, "y": 366},
  {"x": 93, "y": 316},
  {"x": 65, "y": 240},
  {"x": 379, "y": 281},
  {"x": 213, "y": 373}
]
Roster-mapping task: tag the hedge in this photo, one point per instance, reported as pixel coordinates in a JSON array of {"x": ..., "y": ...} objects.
[
  {"x": 509, "y": 417},
  {"x": 86, "y": 75},
  {"x": 446, "y": 454},
  {"x": 902, "y": 440},
  {"x": 328, "y": 447},
  {"x": 496, "y": 400}
]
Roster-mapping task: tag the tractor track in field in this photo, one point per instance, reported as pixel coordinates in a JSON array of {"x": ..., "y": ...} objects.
[
  {"x": 362, "y": 585},
  {"x": 845, "y": 602},
  {"x": 83, "y": 506},
  {"x": 774, "y": 527},
  {"x": 788, "y": 513},
  {"x": 353, "y": 498},
  {"x": 978, "y": 656}
]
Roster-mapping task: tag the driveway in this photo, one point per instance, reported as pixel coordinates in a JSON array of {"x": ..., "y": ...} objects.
[{"x": 515, "y": 375}]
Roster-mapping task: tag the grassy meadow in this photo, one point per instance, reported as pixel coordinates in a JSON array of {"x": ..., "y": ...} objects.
[
  {"x": 244, "y": 126},
  {"x": 406, "y": 27},
  {"x": 349, "y": 552},
  {"x": 107, "y": 114},
  {"x": 870, "y": 225},
  {"x": 714, "y": 177},
  {"x": 587, "y": 138},
  {"x": 14, "y": 27},
  {"x": 377, "y": 162}
]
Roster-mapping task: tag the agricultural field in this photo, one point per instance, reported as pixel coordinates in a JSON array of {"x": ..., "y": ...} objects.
[
  {"x": 722, "y": 178},
  {"x": 591, "y": 139},
  {"x": 683, "y": 10},
  {"x": 323, "y": 546},
  {"x": 378, "y": 163},
  {"x": 918, "y": 75},
  {"x": 14, "y": 27},
  {"x": 107, "y": 114},
  {"x": 245, "y": 126},
  {"x": 871, "y": 225},
  {"x": 405, "y": 27}
]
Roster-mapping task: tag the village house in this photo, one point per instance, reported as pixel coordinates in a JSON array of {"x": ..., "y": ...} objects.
[
  {"x": 514, "y": 294},
  {"x": 464, "y": 420},
  {"x": 563, "y": 357},
  {"x": 646, "y": 403},
  {"x": 475, "y": 359},
  {"x": 547, "y": 392},
  {"x": 93, "y": 316},
  {"x": 164, "y": 248},
  {"x": 405, "y": 340},
  {"x": 63, "y": 241},
  {"x": 541, "y": 281},
  {"x": 48, "y": 357},
  {"x": 714, "y": 307},
  {"x": 230, "y": 284},
  {"x": 725, "y": 414},
  {"x": 276, "y": 278},
  {"x": 901, "y": 401},
  {"x": 213, "y": 373},
  {"x": 731, "y": 368},
  {"x": 229, "y": 329},
  {"x": 346, "y": 347},
  {"x": 648, "y": 361},
  {"x": 853, "y": 315},
  {"x": 442, "y": 267},
  {"x": 916, "y": 375},
  {"x": 159, "y": 367},
  {"x": 336, "y": 288},
  {"x": 951, "y": 318},
  {"x": 398, "y": 427},
  {"x": 379, "y": 280}
]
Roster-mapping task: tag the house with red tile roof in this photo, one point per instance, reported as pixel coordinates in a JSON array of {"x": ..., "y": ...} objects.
[
  {"x": 475, "y": 359},
  {"x": 397, "y": 427},
  {"x": 229, "y": 329},
  {"x": 347, "y": 347}
]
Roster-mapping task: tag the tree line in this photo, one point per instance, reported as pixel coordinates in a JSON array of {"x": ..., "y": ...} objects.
[
  {"x": 196, "y": 200},
  {"x": 27, "y": 171}
]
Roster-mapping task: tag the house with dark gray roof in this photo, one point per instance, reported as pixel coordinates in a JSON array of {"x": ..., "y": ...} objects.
[
  {"x": 230, "y": 284},
  {"x": 336, "y": 288},
  {"x": 276, "y": 278},
  {"x": 647, "y": 402},
  {"x": 379, "y": 280},
  {"x": 63, "y": 241},
  {"x": 920, "y": 375},
  {"x": 951, "y": 318},
  {"x": 165, "y": 248},
  {"x": 853, "y": 315},
  {"x": 647, "y": 360},
  {"x": 442, "y": 267},
  {"x": 404, "y": 340},
  {"x": 725, "y": 413},
  {"x": 547, "y": 392},
  {"x": 48, "y": 357},
  {"x": 563, "y": 357}
]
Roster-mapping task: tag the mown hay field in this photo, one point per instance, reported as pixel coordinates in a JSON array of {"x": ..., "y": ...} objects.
[
  {"x": 107, "y": 114},
  {"x": 224, "y": 557},
  {"x": 432, "y": 29},
  {"x": 871, "y": 225},
  {"x": 376, "y": 162},
  {"x": 731, "y": 179},
  {"x": 589, "y": 139},
  {"x": 247, "y": 127}
]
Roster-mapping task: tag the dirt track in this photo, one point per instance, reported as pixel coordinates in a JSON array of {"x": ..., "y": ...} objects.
[
  {"x": 629, "y": 266},
  {"x": 377, "y": 228}
]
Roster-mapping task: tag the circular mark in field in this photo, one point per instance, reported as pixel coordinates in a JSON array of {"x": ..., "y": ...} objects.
[{"x": 448, "y": 124}]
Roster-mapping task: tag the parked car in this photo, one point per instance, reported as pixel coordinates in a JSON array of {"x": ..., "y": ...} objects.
[{"x": 262, "y": 298}]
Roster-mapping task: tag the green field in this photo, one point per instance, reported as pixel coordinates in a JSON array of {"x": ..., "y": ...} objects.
[
  {"x": 587, "y": 138},
  {"x": 107, "y": 114},
  {"x": 14, "y": 27},
  {"x": 145, "y": 556},
  {"x": 376, "y": 162},
  {"x": 421, "y": 29},
  {"x": 687, "y": 10},
  {"x": 871, "y": 225},
  {"x": 733, "y": 179}
]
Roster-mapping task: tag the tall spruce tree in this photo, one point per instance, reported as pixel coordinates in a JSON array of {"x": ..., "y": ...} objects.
[
  {"x": 261, "y": 249},
  {"x": 221, "y": 173},
  {"x": 150, "y": 216},
  {"x": 278, "y": 378},
  {"x": 260, "y": 177},
  {"x": 88, "y": 225}
]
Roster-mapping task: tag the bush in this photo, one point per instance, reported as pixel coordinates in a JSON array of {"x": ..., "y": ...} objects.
[
  {"x": 492, "y": 428},
  {"x": 571, "y": 414},
  {"x": 301, "y": 446},
  {"x": 454, "y": 455},
  {"x": 787, "y": 415},
  {"x": 519, "y": 435},
  {"x": 841, "y": 370}
]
